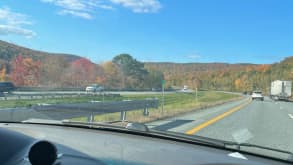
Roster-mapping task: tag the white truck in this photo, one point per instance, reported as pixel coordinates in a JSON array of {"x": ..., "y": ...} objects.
[
  {"x": 281, "y": 90},
  {"x": 257, "y": 95}
]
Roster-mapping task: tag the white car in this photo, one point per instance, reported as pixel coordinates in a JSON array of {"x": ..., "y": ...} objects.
[
  {"x": 257, "y": 95},
  {"x": 94, "y": 88}
]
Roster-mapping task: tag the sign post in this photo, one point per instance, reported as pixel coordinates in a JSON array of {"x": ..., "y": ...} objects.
[
  {"x": 196, "y": 94},
  {"x": 163, "y": 94}
]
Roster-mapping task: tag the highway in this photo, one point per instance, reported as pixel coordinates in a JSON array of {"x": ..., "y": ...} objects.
[{"x": 266, "y": 123}]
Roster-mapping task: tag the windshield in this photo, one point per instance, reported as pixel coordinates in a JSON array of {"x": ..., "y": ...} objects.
[{"x": 189, "y": 67}]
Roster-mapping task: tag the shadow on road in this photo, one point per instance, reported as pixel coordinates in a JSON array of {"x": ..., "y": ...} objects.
[{"x": 172, "y": 124}]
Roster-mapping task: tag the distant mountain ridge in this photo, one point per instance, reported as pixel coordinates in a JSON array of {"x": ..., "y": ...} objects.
[{"x": 9, "y": 51}]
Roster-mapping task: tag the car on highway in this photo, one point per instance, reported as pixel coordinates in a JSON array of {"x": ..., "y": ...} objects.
[
  {"x": 94, "y": 88},
  {"x": 6, "y": 87},
  {"x": 257, "y": 95},
  {"x": 146, "y": 82}
]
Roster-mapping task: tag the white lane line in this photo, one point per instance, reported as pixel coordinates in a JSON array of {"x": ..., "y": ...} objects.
[{"x": 290, "y": 115}]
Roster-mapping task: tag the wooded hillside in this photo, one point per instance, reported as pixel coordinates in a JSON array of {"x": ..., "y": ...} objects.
[{"x": 26, "y": 67}]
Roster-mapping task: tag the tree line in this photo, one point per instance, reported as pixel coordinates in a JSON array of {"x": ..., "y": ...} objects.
[
  {"x": 122, "y": 72},
  {"x": 227, "y": 77},
  {"x": 125, "y": 72}
]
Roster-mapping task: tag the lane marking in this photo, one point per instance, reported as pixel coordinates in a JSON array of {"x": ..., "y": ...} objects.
[
  {"x": 217, "y": 118},
  {"x": 290, "y": 115}
]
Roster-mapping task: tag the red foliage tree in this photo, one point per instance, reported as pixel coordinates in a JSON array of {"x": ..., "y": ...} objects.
[
  {"x": 82, "y": 72},
  {"x": 25, "y": 71}
]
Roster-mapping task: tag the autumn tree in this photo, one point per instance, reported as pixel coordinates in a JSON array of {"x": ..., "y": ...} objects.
[
  {"x": 53, "y": 70},
  {"x": 25, "y": 71},
  {"x": 3, "y": 73},
  {"x": 112, "y": 77},
  {"x": 81, "y": 72}
]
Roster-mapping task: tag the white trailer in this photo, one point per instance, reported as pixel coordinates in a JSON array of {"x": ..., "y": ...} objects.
[{"x": 281, "y": 90}]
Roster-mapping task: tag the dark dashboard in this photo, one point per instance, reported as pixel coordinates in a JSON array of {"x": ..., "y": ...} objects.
[{"x": 25, "y": 144}]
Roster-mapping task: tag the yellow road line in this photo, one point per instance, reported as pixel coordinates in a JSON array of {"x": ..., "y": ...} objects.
[{"x": 217, "y": 118}]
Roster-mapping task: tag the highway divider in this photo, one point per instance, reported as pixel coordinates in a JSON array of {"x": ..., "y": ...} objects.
[
  {"x": 68, "y": 111},
  {"x": 44, "y": 95}
]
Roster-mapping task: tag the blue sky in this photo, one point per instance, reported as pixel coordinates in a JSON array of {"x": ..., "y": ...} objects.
[{"x": 234, "y": 31}]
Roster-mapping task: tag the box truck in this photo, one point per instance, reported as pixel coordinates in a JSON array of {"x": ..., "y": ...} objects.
[{"x": 281, "y": 90}]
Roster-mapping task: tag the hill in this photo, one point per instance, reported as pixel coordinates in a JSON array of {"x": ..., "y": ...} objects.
[
  {"x": 223, "y": 76},
  {"x": 9, "y": 51},
  {"x": 27, "y": 67}
]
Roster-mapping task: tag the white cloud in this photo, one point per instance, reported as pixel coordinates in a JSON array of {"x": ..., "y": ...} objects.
[
  {"x": 140, "y": 6},
  {"x": 75, "y": 13},
  {"x": 194, "y": 56},
  {"x": 7, "y": 29},
  {"x": 13, "y": 23},
  {"x": 106, "y": 7},
  {"x": 79, "y": 8},
  {"x": 86, "y": 8}
]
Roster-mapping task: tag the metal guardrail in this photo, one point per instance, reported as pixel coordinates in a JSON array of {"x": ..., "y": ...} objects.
[
  {"x": 36, "y": 89},
  {"x": 67, "y": 111},
  {"x": 51, "y": 95}
]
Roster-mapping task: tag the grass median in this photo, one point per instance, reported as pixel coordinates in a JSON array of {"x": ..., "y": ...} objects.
[{"x": 57, "y": 100}]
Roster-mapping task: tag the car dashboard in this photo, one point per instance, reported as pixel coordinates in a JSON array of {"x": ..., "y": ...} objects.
[{"x": 25, "y": 144}]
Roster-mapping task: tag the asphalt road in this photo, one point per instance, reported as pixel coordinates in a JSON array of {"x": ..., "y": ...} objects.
[{"x": 266, "y": 123}]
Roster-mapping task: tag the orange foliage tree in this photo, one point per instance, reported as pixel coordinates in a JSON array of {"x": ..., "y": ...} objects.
[
  {"x": 3, "y": 73},
  {"x": 25, "y": 71}
]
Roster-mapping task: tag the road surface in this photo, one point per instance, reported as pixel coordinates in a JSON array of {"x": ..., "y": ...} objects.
[{"x": 265, "y": 123}]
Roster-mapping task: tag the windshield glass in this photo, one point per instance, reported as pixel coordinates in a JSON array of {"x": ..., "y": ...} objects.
[{"x": 216, "y": 69}]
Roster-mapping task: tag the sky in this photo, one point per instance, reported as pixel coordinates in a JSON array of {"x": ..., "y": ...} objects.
[{"x": 185, "y": 31}]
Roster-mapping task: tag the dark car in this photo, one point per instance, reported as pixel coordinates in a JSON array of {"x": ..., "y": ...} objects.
[{"x": 6, "y": 86}]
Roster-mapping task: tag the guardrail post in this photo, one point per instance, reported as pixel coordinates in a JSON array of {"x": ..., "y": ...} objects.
[
  {"x": 18, "y": 97},
  {"x": 146, "y": 111},
  {"x": 123, "y": 116},
  {"x": 91, "y": 118}
]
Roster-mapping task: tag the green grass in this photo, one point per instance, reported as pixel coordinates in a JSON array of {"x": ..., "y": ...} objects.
[
  {"x": 174, "y": 104},
  {"x": 29, "y": 102}
]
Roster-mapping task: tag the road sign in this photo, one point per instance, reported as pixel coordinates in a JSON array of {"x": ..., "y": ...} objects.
[{"x": 163, "y": 82}]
